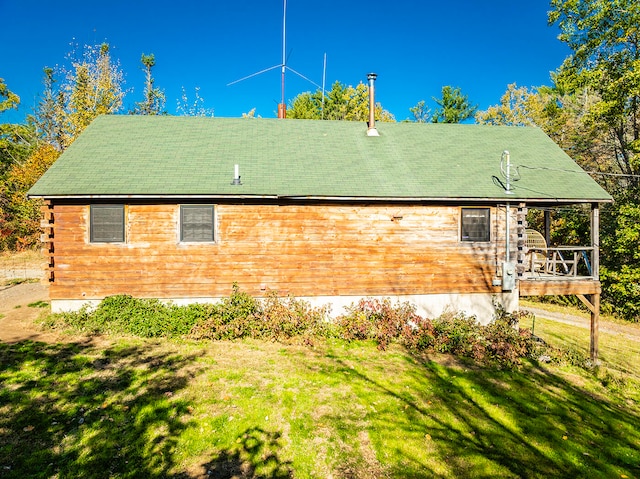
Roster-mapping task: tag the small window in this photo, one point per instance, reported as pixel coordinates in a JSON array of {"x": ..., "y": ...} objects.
[
  {"x": 475, "y": 224},
  {"x": 196, "y": 223},
  {"x": 107, "y": 223}
]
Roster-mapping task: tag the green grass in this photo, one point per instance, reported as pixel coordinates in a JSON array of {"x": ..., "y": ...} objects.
[
  {"x": 158, "y": 408},
  {"x": 38, "y": 304},
  {"x": 17, "y": 281},
  {"x": 619, "y": 355}
]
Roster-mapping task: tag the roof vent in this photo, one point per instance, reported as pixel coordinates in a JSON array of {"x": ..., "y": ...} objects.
[
  {"x": 372, "y": 106},
  {"x": 236, "y": 176}
]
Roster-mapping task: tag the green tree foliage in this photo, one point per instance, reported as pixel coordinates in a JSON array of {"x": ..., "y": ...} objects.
[
  {"x": 8, "y": 99},
  {"x": 154, "y": 98},
  {"x": 605, "y": 67},
  {"x": 340, "y": 103},
  {"x": 595, "y": 117},
  {"x": 453, "y": 106},
  {"x": 16, "y": 140},
  {"x": 620, "y": 239}
]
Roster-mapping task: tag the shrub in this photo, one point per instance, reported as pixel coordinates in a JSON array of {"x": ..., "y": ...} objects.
[
  {"x": 419, "y": 334},
  {"x": 233, "y": 317},
  {"x": 506, "y": 344},
  {"x": 456, "y": 333},
  {"x": 287, "y": 318},
  {"x": 500, "y": 343},
  {"x": 124, "y": 314},
  {"x": 375, "y": 319},
  {"x": 275, "y": 318}
]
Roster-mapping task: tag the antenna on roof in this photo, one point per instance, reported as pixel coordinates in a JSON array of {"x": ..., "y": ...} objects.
[
  {"x": 505, "y": 169},
  {"x": 282, "y": 107}
]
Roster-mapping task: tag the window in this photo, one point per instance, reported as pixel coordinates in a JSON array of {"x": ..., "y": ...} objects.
[
  {"x": 475, "y": 224},
  {"x": 196, "y": 223},
  {"x": 107, "y": 223}
]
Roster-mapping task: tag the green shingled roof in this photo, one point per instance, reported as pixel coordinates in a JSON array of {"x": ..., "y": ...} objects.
[{"x": 140, "y": 156}]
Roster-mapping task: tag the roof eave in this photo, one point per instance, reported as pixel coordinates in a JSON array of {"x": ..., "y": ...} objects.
[{"x": 394, "y": 199}]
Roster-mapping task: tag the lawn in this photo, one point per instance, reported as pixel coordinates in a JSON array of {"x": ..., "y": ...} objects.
[{"x": 127, "y": 407}]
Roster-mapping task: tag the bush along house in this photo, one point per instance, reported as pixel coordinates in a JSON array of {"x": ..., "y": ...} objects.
[{"x": 180, "y": 208}]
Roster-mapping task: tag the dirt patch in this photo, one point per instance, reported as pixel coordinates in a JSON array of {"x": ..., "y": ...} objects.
[{"x": 17, "y": 318}]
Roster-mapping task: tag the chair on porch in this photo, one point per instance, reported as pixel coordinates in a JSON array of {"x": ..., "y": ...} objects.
[{"x": 536, "y": 251}]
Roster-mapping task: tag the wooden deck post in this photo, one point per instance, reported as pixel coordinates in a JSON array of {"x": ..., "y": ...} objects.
[
  {"x": 595, "y": 327},
  {"x": 592, "y": 302},
  {"x": 547, "y": 226}
]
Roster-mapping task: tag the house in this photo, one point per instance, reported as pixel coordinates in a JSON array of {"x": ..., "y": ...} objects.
[{"x": 180, "y": 208}]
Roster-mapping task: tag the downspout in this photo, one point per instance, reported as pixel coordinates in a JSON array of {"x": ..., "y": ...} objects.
[
  {"x": 508, "y": 268},
  {"x": 508, "y": 191}
]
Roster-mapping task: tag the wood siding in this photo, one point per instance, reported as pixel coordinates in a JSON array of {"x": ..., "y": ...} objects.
[{"x": 305, "y": 250}]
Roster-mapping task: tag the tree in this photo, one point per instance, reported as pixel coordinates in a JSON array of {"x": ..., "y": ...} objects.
[
  {"x": 154, "y": 98},
  {"x": 453, "y": 106},
  {"x": 250, "y": 114},
  {"x": 340, "y": 103},
  {"x": 16, "y": 140},
  {"x": 51, "y": 113},
  {"x": 20, "y": 216},
  {"x": 518, "y": 107},
  {"x": 186, "y": 107},
  {"x": 598, "y": 86},
  {"x": 8, "y": 99},
  {"x": 92, "y": 86},
  {"x": 605, "y": 66},
  {"x": 96, "y": 88},
  {"x": 421, "y": 113}
]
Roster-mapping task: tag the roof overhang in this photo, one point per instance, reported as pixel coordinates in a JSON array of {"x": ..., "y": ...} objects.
[{"x": 333, "y": 199}]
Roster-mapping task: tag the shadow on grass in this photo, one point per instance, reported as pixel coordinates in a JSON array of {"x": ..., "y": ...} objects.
[
  {"x": 255, "y": 457},
  {"x": 82, "y": 411},
  {"x": 481, "y": 424}
]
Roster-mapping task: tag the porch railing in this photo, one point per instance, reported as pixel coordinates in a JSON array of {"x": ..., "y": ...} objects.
[{"x": 566, "y": 261}]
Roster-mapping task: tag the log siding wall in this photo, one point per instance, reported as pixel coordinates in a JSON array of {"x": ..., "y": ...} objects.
[{"x": 306, "y": 250}]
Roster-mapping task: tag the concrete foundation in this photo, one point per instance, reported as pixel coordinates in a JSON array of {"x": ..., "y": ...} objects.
[{"x": 480, "y": 305}]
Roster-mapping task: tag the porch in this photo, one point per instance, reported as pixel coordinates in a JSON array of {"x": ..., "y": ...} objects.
[{"x": 561, "y": 270}]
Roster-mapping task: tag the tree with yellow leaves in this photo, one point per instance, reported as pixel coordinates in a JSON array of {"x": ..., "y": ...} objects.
[
  {"x": 92, "y": 86},
  {"x": 20, "y": 216}
]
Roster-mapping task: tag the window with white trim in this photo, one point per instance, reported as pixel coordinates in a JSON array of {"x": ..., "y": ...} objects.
[
  {"x": 107, "y": 224},
  {"x": 197, "y": 223},
  {"x": 475, "y": 224}
]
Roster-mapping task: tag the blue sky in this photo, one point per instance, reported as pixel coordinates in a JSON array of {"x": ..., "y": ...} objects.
[{"x": 415, "y": 47}]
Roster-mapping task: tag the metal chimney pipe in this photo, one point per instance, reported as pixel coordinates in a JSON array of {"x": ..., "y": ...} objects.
[{"x": 371, "y": 131}]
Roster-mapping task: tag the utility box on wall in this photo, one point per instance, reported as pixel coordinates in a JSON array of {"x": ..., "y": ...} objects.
[{"x": 508, "y": 276}]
